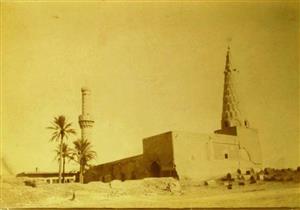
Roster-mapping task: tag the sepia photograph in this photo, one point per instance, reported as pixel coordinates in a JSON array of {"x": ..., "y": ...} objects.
[{"x": 149, "y": 104}]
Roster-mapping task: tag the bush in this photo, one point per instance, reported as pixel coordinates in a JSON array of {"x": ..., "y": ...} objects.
[
  {"x": 278, "y": 178},
  {"x": 252, "y": 180},
  {"x": 268, "y": 171},
  {"x": 288, "y": 178},
  {"x": 241, "y": 183},
  {"x": 210, "y": 182},
  {"x": 269, "y": 178},
  {"x": 30, "y": 183},
  {"x": 296, "y": 177},
  {"x": 239, "y": 171}
]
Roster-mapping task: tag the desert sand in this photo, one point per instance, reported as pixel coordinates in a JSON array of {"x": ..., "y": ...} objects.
[{"x": 150, "y": 192}]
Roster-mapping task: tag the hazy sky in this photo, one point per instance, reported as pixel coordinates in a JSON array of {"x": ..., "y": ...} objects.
[{"x": 152, "y": 67}]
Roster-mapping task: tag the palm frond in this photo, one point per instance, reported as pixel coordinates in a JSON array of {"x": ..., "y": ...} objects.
[
  {"x": 83, "y": 151},
  {"x": 70, "y": 131},
  {"x": 67, "y": 126},
  {"x": 66, "y": 152},
  {"x": 49, "y": 127}
]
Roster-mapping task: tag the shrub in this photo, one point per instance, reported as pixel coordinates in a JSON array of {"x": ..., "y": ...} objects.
[
  {"x": 288, "y": 178},
  {"x": 239, "y": 171},
  {"x": 278, "y": 178},
  {"x": 296, "y": 177},
  {"x": 30, "y": 183},
  {"x": 252, "y": 180},
  {"x": 272, "y": 178},
  {"x": 228, "y": 176},
  {"x": 241, "y": 183},
  {"x": 268, "y": 171}
]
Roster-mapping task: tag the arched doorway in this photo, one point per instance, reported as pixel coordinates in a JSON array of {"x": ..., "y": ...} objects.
[{"x": 155, "y": 169}]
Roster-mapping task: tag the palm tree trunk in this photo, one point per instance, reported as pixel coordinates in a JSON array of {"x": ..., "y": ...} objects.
[
  {"x": 63, "y": 173},
  {"x": 60, "y": 160},
  {"x": 81, "y": 173}
]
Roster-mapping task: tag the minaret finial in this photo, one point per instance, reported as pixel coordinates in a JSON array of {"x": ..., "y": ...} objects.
[{"x": 228, "y": 60}]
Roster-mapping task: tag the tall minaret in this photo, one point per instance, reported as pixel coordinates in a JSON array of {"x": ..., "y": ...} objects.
[
  {"x": 231, "y": 115},
  {"x": 85, "y": 120}
]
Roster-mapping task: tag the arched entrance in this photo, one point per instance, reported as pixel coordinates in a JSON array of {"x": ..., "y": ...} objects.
[{"x": 155, "y": 169}]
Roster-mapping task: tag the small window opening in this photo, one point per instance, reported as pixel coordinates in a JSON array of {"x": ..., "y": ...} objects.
[
  {"x": 226, "y": 156},
  {"x": 226, "y": 123},
  {"x": 246, "y": 123}
]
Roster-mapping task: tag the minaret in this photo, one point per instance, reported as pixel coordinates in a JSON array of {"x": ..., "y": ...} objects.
[
  {"x": 232, "y": 123},
  {"x": 85, "y": 120},
  {"x": 231, "y": 116}
]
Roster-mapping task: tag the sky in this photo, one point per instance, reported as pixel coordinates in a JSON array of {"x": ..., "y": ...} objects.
[{"x": 152, "y": 67}]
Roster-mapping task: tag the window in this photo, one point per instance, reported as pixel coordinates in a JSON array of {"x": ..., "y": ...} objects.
[
  {"x": 226, "y": 156},
  {"x": 246, "y": 123},
  {"x": 226, "y": 123}
]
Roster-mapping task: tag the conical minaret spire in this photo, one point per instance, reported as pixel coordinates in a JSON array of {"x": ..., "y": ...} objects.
[{"x": 231, "y": 115}]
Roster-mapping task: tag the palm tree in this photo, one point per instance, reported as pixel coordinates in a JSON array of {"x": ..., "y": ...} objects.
[
  {"x": 66, "y": 154},
  {"x": 83, "y": 154},
  {"x": 61, "y": 129}
]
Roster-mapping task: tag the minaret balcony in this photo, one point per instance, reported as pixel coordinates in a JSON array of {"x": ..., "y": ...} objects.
[{"x": 86, "y": 118}]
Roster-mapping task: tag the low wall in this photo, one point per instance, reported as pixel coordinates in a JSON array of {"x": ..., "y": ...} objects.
[{"x": 124, "y": 169}]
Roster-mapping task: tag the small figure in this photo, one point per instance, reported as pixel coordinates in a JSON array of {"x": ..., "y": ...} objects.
[
  {"x": 168, "y": 188},
  {"x": 73, "y": 196}
]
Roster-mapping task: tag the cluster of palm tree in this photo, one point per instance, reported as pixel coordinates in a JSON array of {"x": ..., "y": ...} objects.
[{"x": 81, "y": 153}]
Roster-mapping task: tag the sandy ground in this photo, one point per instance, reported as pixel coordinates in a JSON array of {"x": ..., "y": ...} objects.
[{"x": 163, "y": 192}]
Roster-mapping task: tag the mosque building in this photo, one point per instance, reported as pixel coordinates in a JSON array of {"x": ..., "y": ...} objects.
[{"x": 184, "y": 155}]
